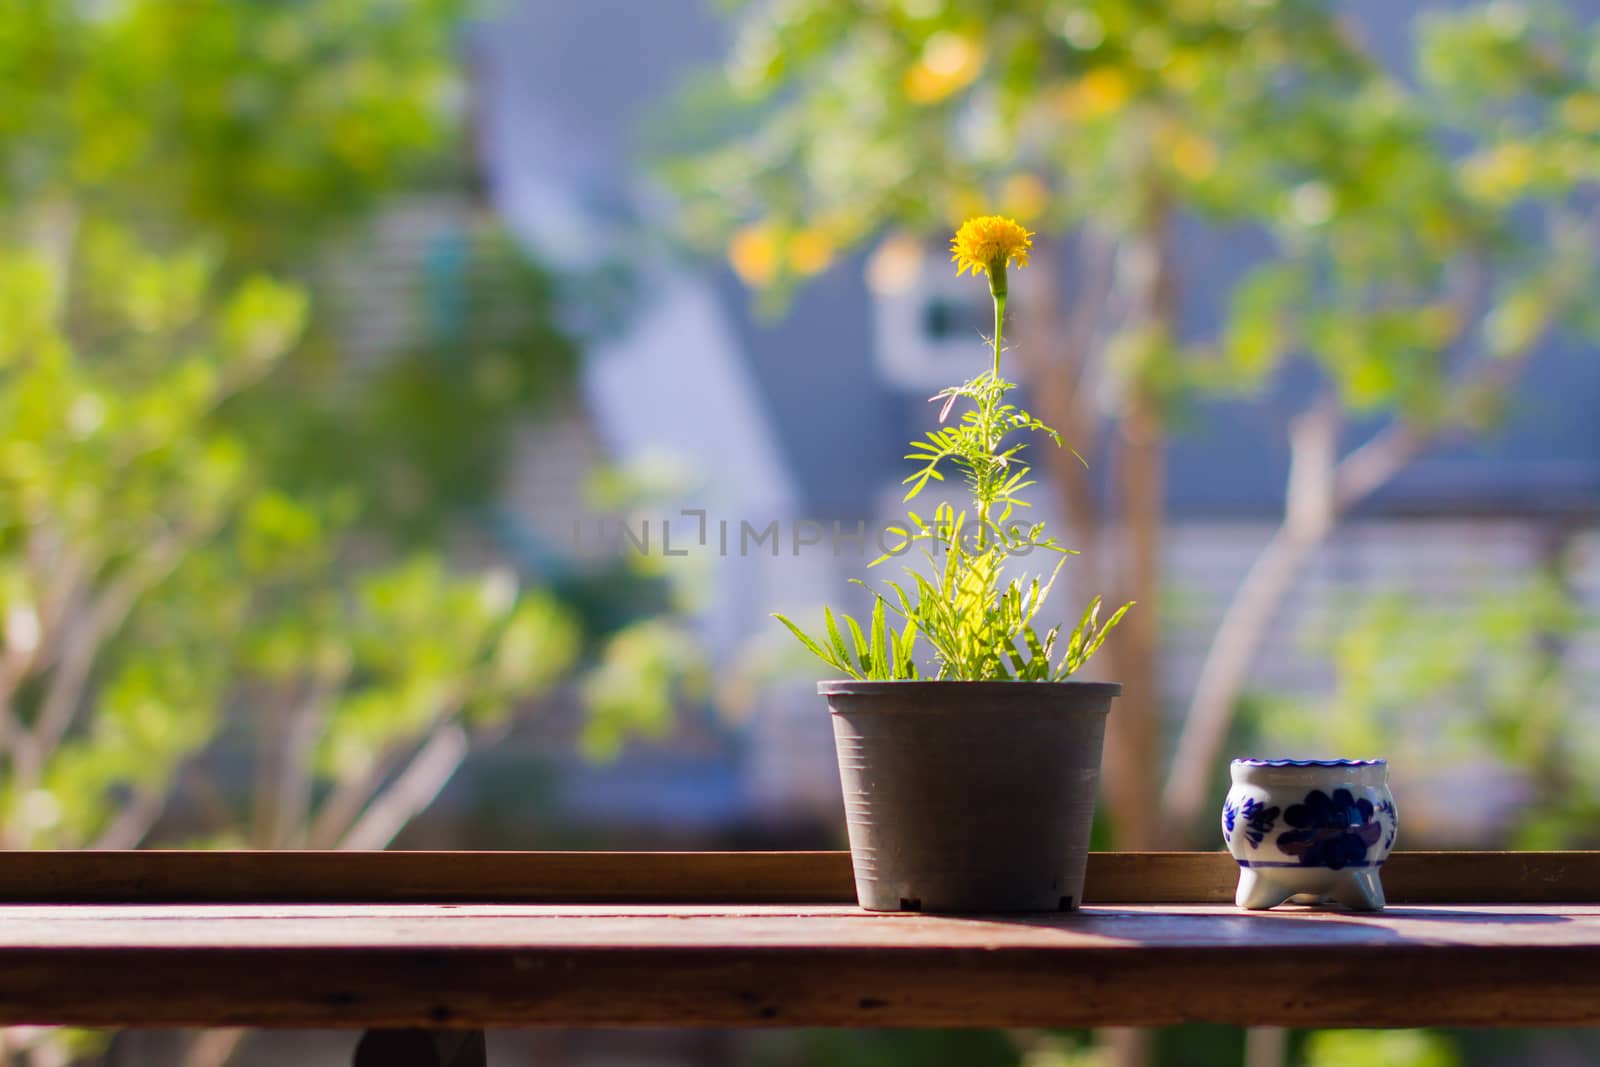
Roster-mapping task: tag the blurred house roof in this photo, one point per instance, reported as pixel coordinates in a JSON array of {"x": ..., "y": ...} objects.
[{"x": 565, "y": 90}]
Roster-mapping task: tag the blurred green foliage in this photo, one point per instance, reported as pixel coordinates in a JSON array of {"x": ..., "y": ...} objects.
[
  {"x": 1492, "y": 682},
  {"x": 1412, "y": 213},
  {"x": 213, "y": 523},
  {"x": 1391, "y": 1048},
  {"x": 262, "y": 126}
]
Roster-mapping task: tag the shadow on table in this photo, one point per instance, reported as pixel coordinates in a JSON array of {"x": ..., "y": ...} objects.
[
  {"x": 1326, "y": 925},
  {"x": 1465, "y": 915}
]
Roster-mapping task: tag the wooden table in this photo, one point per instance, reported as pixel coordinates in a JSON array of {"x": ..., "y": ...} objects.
[{"x": 443, "y": 941}]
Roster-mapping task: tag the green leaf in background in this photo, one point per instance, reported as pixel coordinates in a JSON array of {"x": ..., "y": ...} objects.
[
  {"x": 229, "y": 536},
  {"x": 1392, "y": 1048}
]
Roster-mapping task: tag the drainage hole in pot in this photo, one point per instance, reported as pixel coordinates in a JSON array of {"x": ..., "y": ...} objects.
[
  {"x": 1066, "y": 903},
  {"x": 910, "y": 903}
]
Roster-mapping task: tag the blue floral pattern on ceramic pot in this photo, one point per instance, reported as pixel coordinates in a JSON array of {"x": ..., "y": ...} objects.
[
  {"x": 1386, "y": 808},
  {"x": 1309, "y": 831},
  {"x": 1259, "y": 820},
  {"x": 1330, "y": 831}
]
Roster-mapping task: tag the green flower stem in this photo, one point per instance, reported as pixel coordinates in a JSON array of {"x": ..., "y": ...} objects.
[{"x": 997, "y": 289}]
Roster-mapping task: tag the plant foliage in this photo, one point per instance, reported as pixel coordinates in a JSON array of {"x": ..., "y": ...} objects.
[{"x": 976, "y": 615}]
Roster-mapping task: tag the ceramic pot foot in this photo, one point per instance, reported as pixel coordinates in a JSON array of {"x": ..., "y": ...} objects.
[
  {"x": 1257, "y": 893},
  {"x": 1358, "y": 891}
]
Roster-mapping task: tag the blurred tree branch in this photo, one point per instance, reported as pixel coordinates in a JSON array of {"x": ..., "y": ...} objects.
[
  {"x": 412, "y": 790},
  {"x": 1340, "y": 484},
  {"x": 1394, "y": 207}
]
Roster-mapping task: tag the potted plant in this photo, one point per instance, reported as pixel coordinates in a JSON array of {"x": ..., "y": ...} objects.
[{"x": 971, "y": 787}]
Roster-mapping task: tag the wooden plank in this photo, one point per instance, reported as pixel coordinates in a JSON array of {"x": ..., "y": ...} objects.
[
  {"x": 530, "y": 877},
  {"x": 690, "y": 877},
  {"x": 472, "y": 966},
  {"x": 1464, "y": 877},
  {"x": 1408, "y": 877}
]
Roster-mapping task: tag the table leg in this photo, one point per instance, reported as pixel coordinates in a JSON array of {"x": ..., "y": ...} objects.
[{"x": 421, "y": 1048}]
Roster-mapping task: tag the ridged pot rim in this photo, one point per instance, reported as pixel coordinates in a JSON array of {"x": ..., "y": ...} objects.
[
  {"x": 857, "y": 687},
  {"x": 1258, "y": 762}
]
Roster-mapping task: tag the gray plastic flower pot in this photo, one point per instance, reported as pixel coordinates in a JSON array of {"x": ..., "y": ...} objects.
[{"x": 969, "y": 796}]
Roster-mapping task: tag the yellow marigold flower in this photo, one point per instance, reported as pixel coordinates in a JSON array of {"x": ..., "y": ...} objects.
[{"x": 988, "y": 243}]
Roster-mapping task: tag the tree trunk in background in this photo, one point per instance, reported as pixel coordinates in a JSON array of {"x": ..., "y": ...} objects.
[
  {"x": 1132, "y": 766},
  {"x": 1322, "y": 490},
  {"x": 1121, "y": 1047},
  {"x": 1133, "y": 731},
  {"x": 1196, "y": 775},
  {"x": 1132, "y": 757},
  {"x": 1266, "y": 1046},
  {"x": 1054, "y": 352}
]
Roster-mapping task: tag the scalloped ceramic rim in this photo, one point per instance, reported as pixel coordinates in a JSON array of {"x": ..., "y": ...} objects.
[{"x": 1255, "y": 762}]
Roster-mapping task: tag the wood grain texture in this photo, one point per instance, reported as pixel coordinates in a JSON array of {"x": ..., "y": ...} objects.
[
  {"x": 1408, "y": 877},
  {"x": 526, "y": 877},
  {"x": 470, "y": 966},
  {"x": 702, "y": 877}
]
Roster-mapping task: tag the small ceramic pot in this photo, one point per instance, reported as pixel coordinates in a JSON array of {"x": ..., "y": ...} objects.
[{"x": 1309, "y": 831}]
